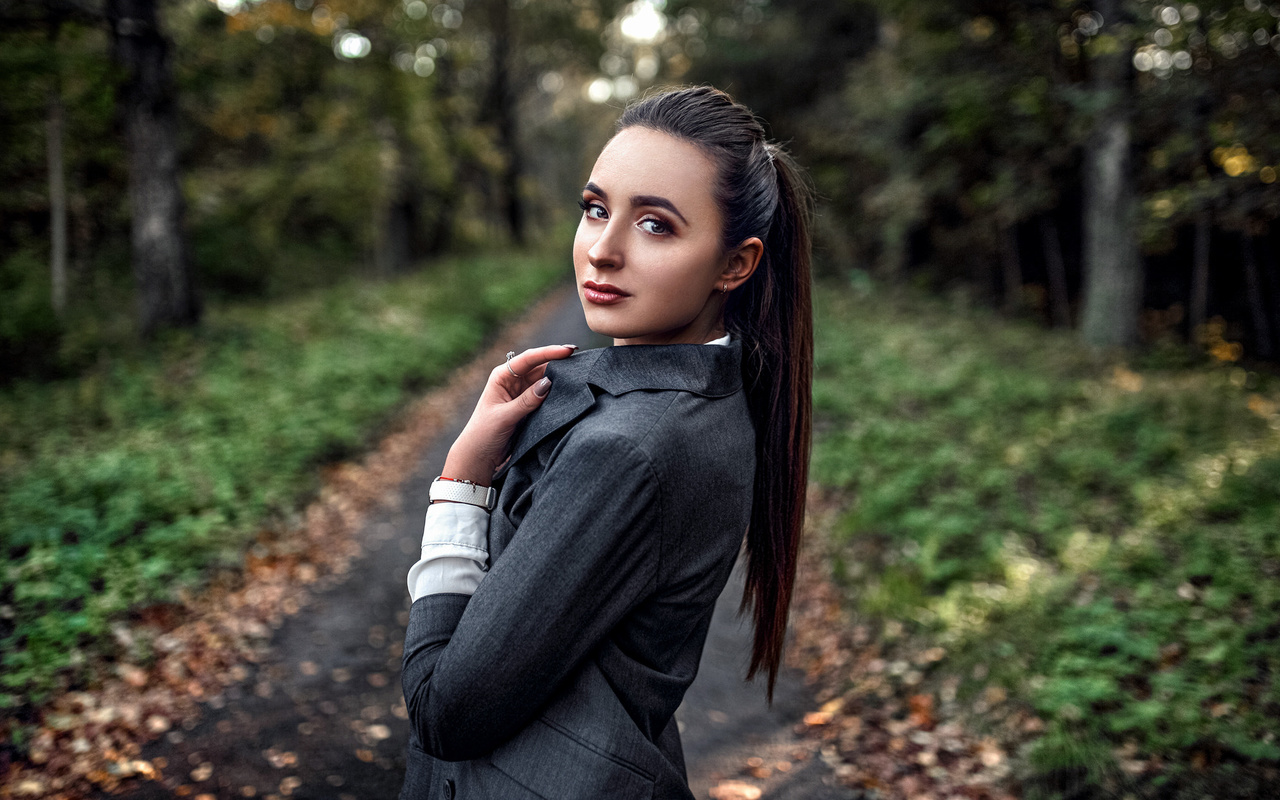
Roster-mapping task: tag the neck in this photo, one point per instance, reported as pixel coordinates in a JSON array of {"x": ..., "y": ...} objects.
[
  {"x": 701, "y": 335},
  {"x": 707, "y": 326}
]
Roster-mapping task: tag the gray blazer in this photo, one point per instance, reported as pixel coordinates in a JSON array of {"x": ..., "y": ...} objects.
[{"x": 620, "y": 514}]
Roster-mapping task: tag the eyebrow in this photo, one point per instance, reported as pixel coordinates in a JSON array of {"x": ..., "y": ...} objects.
[{"x": 640, "y": 200}]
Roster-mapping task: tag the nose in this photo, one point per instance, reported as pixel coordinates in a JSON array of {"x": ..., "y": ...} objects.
[{"x": 608, "y": 250}]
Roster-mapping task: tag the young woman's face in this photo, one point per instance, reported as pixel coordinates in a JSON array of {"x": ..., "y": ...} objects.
[{"x": 648, "y": 255}]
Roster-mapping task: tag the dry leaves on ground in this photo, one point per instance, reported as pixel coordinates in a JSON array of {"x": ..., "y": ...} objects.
[
  {"x": 735, "y": 790},
  {"x": 880, "y": 728}
]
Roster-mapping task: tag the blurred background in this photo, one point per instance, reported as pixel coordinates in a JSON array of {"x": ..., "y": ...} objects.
[
  {"x": 262, "y": 148},
  {"x": 237, "y": 235}
]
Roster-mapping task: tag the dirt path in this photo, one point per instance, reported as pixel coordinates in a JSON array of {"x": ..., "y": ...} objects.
[{"x": 321, "y": 715}]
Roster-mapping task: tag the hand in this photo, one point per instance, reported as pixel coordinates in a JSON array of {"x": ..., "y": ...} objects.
[{"x": 484, "y": 443}]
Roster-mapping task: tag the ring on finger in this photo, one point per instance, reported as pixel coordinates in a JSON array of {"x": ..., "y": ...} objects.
[{"x": 510, "y": 355}]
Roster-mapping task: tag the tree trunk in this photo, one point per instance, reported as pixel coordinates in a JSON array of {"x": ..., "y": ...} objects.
[
  {"x": 1257, "y": 303},
  {"x": 394, "y": 225},
  {"x": 1011, "y": 269},
  {"x": 166, "y": 294},
  {"x": 1056, "y": 269},
  {"x": 1200, "y": 276},
  {"x": 502, "y": 109},
  {"x": 1199, "y": 312},
  {"x": 1271, "y": 289},
  {"x": 55, "y": 131},
  {"x": 1112, "y": 295}
]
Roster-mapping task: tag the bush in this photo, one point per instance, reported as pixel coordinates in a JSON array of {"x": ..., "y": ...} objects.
[
  {"x": 1104, "y": 543},
  {"x": 29, "y": 331}
]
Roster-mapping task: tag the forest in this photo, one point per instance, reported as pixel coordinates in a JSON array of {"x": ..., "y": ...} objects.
[
  {"x": 1108, "y": 166},
  {"x": 1056, "y": 218}
]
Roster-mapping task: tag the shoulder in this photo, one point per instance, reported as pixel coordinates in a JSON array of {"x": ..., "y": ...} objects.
[{"x": 672, "y": 430}]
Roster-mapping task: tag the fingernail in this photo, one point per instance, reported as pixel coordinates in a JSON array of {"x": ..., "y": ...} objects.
[
  {"x": 542, "y": 387},
  {"x": 570, "y": 346}
]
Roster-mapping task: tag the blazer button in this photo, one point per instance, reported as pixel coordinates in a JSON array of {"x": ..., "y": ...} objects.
[{"x": 448, "y": 790}]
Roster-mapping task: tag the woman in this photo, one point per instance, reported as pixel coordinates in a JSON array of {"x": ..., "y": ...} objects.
[{"x": 555, "y": 629}]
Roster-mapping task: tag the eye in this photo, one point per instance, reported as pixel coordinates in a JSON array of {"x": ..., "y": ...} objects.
[
  {"x": 654, "y": 226},
  {"x": 593, "y": 210}
]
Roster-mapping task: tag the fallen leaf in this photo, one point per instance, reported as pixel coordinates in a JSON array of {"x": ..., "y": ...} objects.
[
  {"x": 735, "y": 790},
  {"x": 990, "y": 753},
  {"x": 132, "y": 675}
]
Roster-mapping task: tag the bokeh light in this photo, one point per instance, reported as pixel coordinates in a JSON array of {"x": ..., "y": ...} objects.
[
  {"x": 350, "y": 44},
  {"x": 644, "y": 21},
  {"x": 416, "y": 9},
  {"x": 600, "y": 90}
]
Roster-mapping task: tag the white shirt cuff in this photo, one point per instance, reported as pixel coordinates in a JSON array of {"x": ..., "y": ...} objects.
[{"x": 455, "y": 549}]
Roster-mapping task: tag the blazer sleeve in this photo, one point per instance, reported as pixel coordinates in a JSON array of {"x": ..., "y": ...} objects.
[{"x": 477, "y": 670}]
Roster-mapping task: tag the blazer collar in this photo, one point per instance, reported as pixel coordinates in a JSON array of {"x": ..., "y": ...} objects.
[{"x": 706, "y": 370}]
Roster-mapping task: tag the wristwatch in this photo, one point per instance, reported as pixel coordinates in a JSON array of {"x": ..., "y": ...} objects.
[{"x": 459, "y": 491}]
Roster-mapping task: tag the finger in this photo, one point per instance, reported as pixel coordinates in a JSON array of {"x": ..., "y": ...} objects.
[
  {"x": 532, "y": 397},
  {"x": 504, "y": 386},
  {"x": 537, "y": 356}
]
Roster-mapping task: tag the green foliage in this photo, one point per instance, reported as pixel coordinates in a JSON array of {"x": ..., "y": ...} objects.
[
  {"x": 28, "y": 328},
  {"x": 300, "y": 166},
  {"x": 945, "y": 143},
  {"x": 1105, "y": 542},
  {"x": 126, "y": 485}
]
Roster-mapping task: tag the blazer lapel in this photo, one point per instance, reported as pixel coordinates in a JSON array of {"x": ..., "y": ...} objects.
[
  {"x": 570, "y": 397},
  {"x": 707, "y": 370}
]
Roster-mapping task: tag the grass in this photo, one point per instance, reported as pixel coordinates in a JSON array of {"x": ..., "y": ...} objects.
[
  {"x": 127, "y": 485},
  {"x": 1099, "y": 539}
]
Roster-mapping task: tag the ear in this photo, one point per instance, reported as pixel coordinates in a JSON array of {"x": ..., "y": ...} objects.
[{"x": 741, "y": 263}]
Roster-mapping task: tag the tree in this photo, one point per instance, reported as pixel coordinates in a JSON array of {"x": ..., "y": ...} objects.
[
  {"x": 148, "y": 107},
  {"x": 55, "y": 128},
  {"x": 1112, "y": 267}
]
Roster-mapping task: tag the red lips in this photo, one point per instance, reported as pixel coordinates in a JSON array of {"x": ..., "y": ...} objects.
[{"x": 602, "y": 293}]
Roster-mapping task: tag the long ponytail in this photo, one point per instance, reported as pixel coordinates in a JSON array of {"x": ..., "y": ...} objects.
[
  {"x": 761, "y": 193},
  {"x": 775, "y": 320}
]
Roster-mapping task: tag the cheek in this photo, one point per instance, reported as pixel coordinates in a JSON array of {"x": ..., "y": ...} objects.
[
  {"x": 682, "y": 290},
  {"x": 581, "y": 244}
]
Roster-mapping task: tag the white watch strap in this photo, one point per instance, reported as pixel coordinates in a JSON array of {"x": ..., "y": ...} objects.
[{"x": 485, "y": 497}]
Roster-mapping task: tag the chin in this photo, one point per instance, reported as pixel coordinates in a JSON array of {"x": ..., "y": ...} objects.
[{"x": 604, "y": 326}]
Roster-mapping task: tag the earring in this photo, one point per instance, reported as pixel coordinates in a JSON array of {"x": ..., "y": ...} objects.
[{"x": 724, "y": 287}]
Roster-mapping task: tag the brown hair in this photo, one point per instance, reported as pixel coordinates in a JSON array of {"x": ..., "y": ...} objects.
[{"x": 761, "y": 193}]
